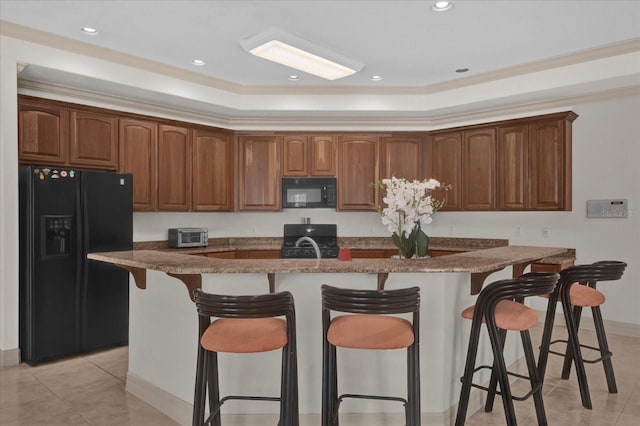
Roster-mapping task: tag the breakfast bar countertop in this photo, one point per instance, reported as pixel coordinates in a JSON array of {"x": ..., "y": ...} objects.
[{"x": 476, "y": 261}]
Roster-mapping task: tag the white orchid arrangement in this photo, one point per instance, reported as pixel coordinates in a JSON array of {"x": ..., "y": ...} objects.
[{"x": 409, "y": 207}]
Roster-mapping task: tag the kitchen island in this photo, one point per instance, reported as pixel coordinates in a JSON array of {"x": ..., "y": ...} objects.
[{"x": 163, "y": 326}]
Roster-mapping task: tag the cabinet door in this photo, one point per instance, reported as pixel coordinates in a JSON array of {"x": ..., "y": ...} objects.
[
  {"x": 43, "y": 134},
  {"x": 479, "y": 169},
  {"x": 296, "y": 156},
  {"x": 513, "y": 154},
  {"x": 212, "y": 171},
  {"x": 174, "y": 168},
  {"x": 546, "y": 165},
  {"x": 94, "y": 140},
  {"x": 401, "y": 157},
  {"x": 138, "y": 154},
  {"x": 323, "y": 156},
  {"x": 444, "y": 159},
  {"x": 259, "y": 172},
  {"x": 358, "y": 171}
]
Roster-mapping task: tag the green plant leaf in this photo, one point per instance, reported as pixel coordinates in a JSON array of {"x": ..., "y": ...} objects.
[
  {"x": 401, "y": 243},
  {"x": 411, "y": 244},
  {"x": 422, "y": 243}
]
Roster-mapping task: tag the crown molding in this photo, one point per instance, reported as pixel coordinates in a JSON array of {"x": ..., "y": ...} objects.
[{"x": 318, "y": 122}]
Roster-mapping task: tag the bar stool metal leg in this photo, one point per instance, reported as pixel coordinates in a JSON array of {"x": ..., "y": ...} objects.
[
  {"x": 568, "y": 357},
  {"x": 605, "y": 353},
  {"x": 200, "y": 388},
  {"x": 574, "y": 347},
  {"x": 467, "y": 378},
  {"x": 493, "y": 382},
  {"x": 501, "y": 372},
  {"x": 536, "y": 379},
  {"x": 214, "y": 386}
]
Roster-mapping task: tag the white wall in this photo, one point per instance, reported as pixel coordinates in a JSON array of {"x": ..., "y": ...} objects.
[
  {"x": 606, "y": 158},
  {"x": 8, "y": 210}
]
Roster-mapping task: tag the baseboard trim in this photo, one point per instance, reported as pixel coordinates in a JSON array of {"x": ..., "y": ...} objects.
[
  {"x": 161, "y": 400},
  {"x": 181, "y": 411},
  {"x": 9, "y": 357},
  {"x": 612, "y": 327}
]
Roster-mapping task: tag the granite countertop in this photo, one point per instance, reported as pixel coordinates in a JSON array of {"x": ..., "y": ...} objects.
[
  {"x": 455, "y": 244},
  {"x": 355, "y": 243},
  {"x": 476, "y": 261}
]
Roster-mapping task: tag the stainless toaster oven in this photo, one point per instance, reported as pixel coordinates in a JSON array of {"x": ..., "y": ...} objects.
[{"x": 188, "y": 237}]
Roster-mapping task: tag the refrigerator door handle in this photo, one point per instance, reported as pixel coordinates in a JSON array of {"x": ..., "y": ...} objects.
[{"x": 83, "y": 268}]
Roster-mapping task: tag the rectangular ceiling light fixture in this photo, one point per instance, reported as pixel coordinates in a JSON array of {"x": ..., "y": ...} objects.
[{"x": 295, "y": 52}]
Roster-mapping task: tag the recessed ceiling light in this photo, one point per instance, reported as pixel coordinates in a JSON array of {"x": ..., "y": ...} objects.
[
  {"x": 441, "y": 6},
  {"x": 198, "y": 62},
  {"x": 461, "y": 70},
  {"x": 294, "y": 77},
  {"x": 376, "y": 77},
  {"x": 292, "y": 51},
  {"x": 89, "y": 30}
]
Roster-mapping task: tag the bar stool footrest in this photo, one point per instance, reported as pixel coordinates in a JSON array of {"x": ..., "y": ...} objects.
[
  {"x": 536, "y": 385},
  {"x": 239, "y": 397},
  {"x": 378, "y": 397},
  {"x": 603, "y": 356}
]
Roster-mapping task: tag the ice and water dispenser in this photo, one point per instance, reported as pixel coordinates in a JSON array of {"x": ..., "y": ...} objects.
[{"x": 56, "y": 235}]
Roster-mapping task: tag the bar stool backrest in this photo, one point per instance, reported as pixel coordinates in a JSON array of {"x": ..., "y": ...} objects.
[
  {"x": 531, "y": 284},
  {"x": 256, "y": 306},
  {"x": 371, "y": 301},
  {"x": 607, "y": 270}
]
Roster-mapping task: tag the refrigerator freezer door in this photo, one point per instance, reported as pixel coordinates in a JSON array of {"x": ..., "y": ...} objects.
[
  {"x": 49, "y": 263},
  {"x": 107, "y": 212}
]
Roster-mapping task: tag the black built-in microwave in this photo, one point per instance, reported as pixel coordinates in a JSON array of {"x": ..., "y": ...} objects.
[{"x": 308, "y": 192}]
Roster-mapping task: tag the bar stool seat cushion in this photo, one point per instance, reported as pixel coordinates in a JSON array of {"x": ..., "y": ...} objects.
[
  {"x": 583, "y": 295},
  {"x": 510, "y": 315},
  {"x": 365, "y": 331},
  {"x": 245, "y": 335}
]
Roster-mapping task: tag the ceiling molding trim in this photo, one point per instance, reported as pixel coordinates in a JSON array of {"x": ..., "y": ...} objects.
[
  {"x": 59, "y": 42},
  {"x": 21, "y": 32},
  {"x": 319, "y": 122},
  {"x": 101, "y": 100},
  {"x": 532, "y": 108}
]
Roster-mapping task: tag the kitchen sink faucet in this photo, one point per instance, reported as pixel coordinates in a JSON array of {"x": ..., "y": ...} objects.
[{"x": 313, "y": 243}]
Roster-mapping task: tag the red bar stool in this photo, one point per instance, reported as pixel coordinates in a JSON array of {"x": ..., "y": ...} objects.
[
  {"x": 574, "y": 298},
  {"x": 496, "y": 306},
  {"x": 369, "y": 324},
  {"x": 245, "y": 324}
]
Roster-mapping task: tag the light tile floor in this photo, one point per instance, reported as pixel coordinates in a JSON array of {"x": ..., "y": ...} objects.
[{"x": 89, "y": 390}]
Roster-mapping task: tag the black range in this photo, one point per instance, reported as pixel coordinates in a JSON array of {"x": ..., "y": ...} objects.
[{"x": 299, "y": 239}]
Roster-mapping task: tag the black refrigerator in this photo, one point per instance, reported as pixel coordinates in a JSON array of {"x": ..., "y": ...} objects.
[{"x": 69, "y": 304}]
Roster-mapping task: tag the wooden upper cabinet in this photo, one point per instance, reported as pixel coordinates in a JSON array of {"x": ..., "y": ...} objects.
[
  {"x": 309, "y": 156},
  {"x": 94, "y": 140},
  {"x": 479, "y": 153},
  {"x": 513, "y": 174},
  {"x": 444, "y": 160},
  {"x": 295, "y": 156},
  {"x": 358, "y": 171},
  {"x": 213, "y": 171},
  {"x": 547, "y": 165},
  {"x": 401, "y": 157},
  {"x": 259, "y": 173},
  {"x": 174, "y": 168},
  {"x": 323, "y": 155},
  {"x": 138, "y": 154},
  {"x": 43, "y": 134}
]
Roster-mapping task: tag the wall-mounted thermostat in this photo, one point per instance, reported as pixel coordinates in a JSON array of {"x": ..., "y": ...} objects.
[{"x": 607, "y": 208}]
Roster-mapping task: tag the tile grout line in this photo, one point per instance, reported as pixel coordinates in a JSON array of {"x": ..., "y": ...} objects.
[{"x": 61, "y": 400}]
